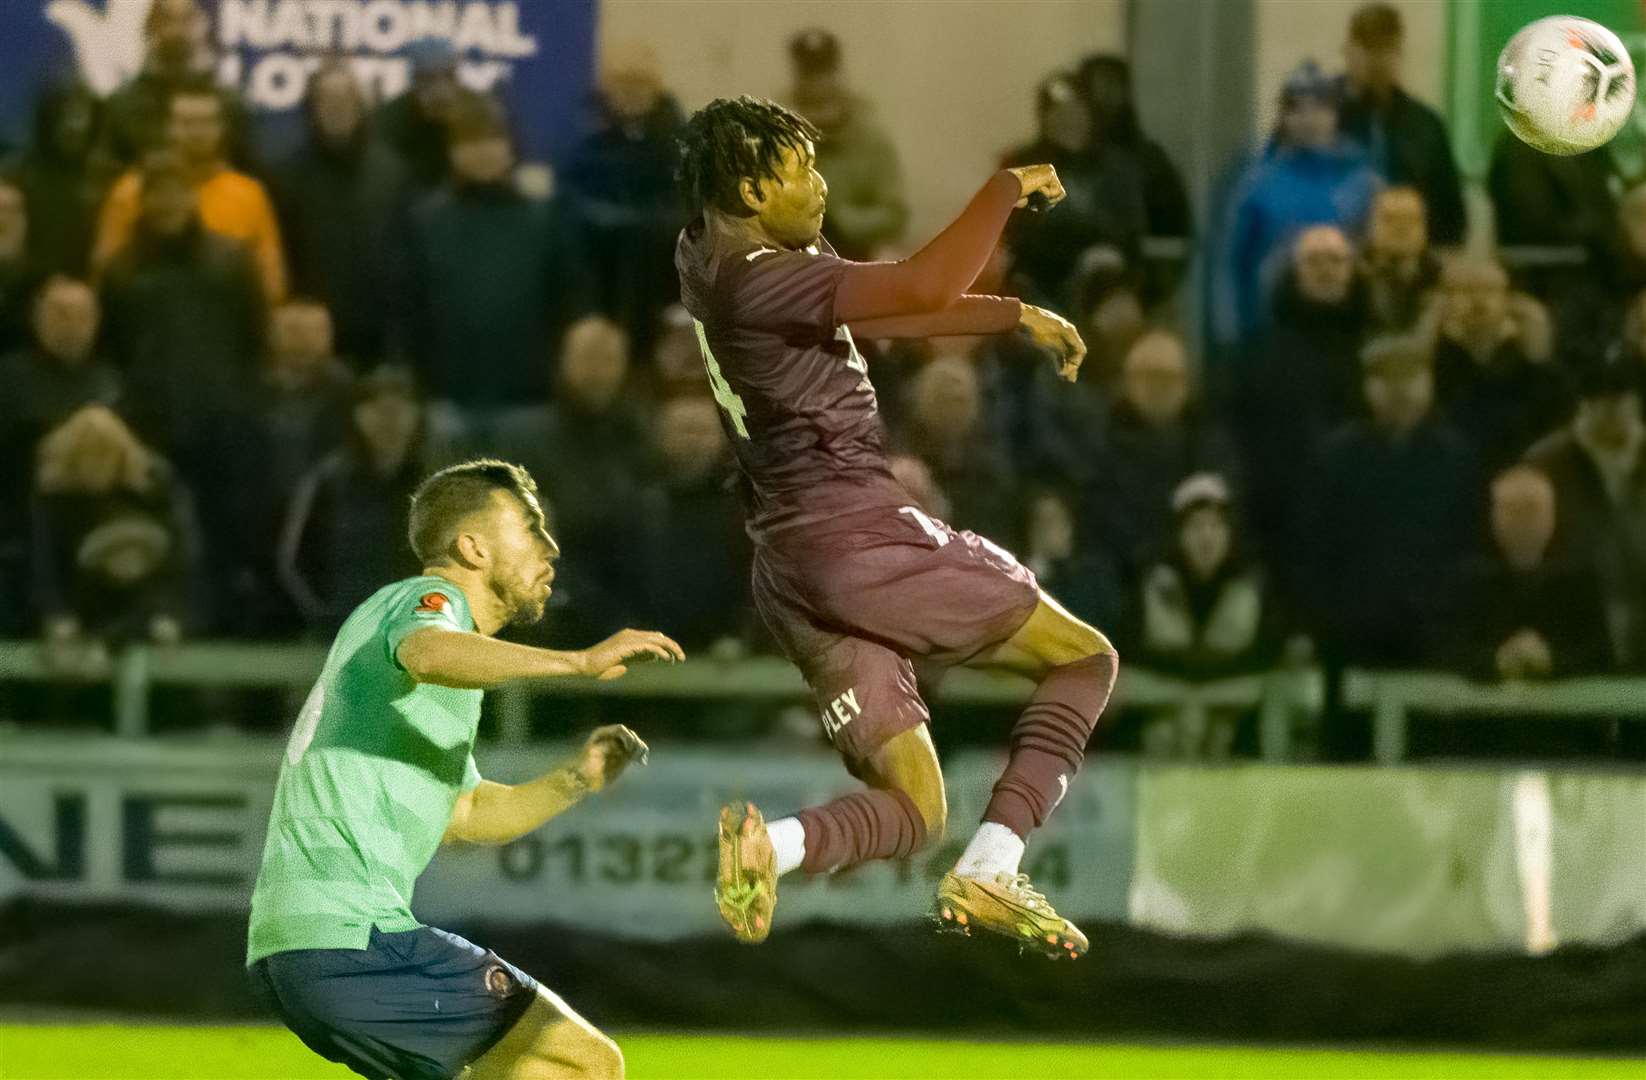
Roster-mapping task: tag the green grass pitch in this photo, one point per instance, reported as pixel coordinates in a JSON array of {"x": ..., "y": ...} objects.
[{"x": 113, "y": 1052}]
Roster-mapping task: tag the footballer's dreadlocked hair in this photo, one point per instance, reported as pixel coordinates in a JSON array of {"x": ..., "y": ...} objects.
[{"x": 730, "y": 140}]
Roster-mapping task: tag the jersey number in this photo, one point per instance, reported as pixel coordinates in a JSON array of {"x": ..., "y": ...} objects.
[
  {"x": 308, "y": 719},
  {"x": 724, "y": 396}
]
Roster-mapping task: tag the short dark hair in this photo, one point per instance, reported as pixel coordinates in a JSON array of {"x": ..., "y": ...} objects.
[
  {"x": 441, "y": 502},
  {"x": 1376, "y": 26},
  {"x": 733, "y": 139}
]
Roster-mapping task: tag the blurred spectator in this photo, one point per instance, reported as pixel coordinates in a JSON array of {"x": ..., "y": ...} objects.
[
  {"x": 176, "y": 53},
  {"x": 691, "y": 553},
  {"x": 917, "y": 480},
  {"x": 1516, "y": 613},
  {"x": 413, "y": 125},
  {"x": 587, "y": 450},
  {"x": 492, "y": 273},
  {"x": 339, "y": 195},
  {"x": 300, "y": 413},
  {"x": 621, "y": 181},
  {"x": 345, "y": 535},
  {"x": 1397, "y": 506},
  {"x": 1083, "y": 577},
  {"x": 1309, "y": 174},
  {"x": 944, "y": 428},
  {"x": 1629, "y": 351},
  {"x": 45, "y": 383},
  {"x": 18, "y": 277},
  {"x": 677, "y": 358},
  {"x": 113, "y": 536},
  {"x": 1203, "y": 613},
  {"x": 1624, "y": 262},
  {"x": 867, "y": 210},
  {"x": 64, "y": 174},
  {"x": 1546, "y": 200},
  {"x": 1598, "y": 470},
  {"x": 1107, "y": 84},
  {"x": 1404, "y": 139},
  {"x": 1104, "y": 206},
  {"x": 1157, "y": 437},
  {"x": 1302, "y": 384},
  {"x": 1400, "y": 269},
  {"x": 184, "y": 321},
  {"x": 58, "y": 373},
  {"x": 1492, "y": 392},
  {"x": 1106, "y": 301},
  {"x": 230, "y": 203}
]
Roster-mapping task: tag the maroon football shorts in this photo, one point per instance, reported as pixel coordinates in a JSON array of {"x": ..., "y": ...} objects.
[{"x": 854, "y": 601}]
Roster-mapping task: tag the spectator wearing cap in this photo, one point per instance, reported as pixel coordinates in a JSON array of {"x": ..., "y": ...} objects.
[
  {"x": 340, "y": 194},
  {"x": 113, "y": 536},
  {"x": 345, "y": 531},
  {"x": 1405, "y": 140},
  {"x": 1309, "y": 174},
  {"x": 1157, "y": 436},
  {"x": 18, "y": 275},
  {"x": 490, "y": 272},
  {"x": 1203, "y": 612},
  {"x": 1303, "y": 382},
  {"x": 1399, "y": 267},
  {"x": 1106, "y": 83},
  {"x": 1396, "y": 507},
  {"x": 1491, "y": 389},
  {"x": 867, "y": 209},
  {"x": 621, "y": 184},
  {"x": 177, "y": 53},
  {"x": 1597, "y": 464},
  {"x": 230, "y": 203},
  {"x": 413, "y": 125},
  {"x": 1104, "y": 207},
  {"x": 64, "y": 174},
  {"x": 1515, "y": 612}
]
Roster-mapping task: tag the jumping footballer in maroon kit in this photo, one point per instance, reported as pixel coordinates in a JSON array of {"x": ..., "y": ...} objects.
[{"x": 852, "y": 580}]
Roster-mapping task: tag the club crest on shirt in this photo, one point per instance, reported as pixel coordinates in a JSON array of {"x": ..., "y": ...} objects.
[{"x": 432, "y": 603}]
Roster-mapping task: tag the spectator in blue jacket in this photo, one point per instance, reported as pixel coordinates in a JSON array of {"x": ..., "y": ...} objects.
[{"x": 1308, "y": 175}]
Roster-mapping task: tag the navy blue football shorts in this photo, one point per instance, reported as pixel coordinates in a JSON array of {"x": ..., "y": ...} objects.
[{"x": 416, "y": 1005}]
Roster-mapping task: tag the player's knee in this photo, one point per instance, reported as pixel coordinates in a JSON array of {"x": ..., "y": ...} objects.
[
  {"x": 598, "y": 1058},
  {"x": 934, "y": 814}
]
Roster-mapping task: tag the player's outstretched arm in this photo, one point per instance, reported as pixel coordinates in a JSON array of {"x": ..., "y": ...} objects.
[
  {"x": 469, "y": 661},
  {"x": 935, "y": 276},
  {"x": 498, "y": 813}
]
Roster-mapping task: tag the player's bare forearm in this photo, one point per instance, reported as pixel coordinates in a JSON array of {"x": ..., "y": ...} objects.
[
  {"x": 936, "y": 275},
  {"x": 468, "y": 661},
  {"x": 495, "y": 813},
  {"x": 970, "y": 314}
]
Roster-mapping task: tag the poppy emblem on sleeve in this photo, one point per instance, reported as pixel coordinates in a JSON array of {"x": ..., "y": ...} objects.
[{"x": 433, "y": 603}]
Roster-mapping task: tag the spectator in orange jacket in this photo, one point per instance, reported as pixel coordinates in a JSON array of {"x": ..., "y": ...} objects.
[{"x": 231, "y": 203}]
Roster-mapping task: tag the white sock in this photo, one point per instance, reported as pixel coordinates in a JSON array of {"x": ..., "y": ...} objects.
[
  {"x": 994, "y": 849},
  {"x": 788, "y": 843}
]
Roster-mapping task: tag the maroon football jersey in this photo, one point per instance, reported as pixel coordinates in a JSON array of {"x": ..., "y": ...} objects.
[{"x": 794, "y": 392}]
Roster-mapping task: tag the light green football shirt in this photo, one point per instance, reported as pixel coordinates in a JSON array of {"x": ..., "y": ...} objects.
[{"x": 374, "y": 766}]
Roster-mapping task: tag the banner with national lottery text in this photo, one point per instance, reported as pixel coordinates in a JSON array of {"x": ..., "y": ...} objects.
[{"x": 538, "y": 55}]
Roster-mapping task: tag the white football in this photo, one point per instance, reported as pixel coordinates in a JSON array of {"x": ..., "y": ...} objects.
[{"x": 1565, "y": 84}]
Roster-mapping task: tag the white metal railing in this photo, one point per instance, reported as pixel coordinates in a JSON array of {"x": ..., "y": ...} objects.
[{"x": 1279, "y": 696}]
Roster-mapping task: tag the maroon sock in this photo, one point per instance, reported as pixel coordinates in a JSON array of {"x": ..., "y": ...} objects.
[
  {"x": 856, "y": 828},
  {"x": 1049, "y": 742}
]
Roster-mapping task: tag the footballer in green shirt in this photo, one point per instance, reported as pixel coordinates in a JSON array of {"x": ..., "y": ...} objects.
[{"x": 380, "y": 771}]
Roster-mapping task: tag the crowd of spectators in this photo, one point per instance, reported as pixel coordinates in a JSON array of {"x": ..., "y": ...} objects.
[{"x": 224, "y": 373}]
